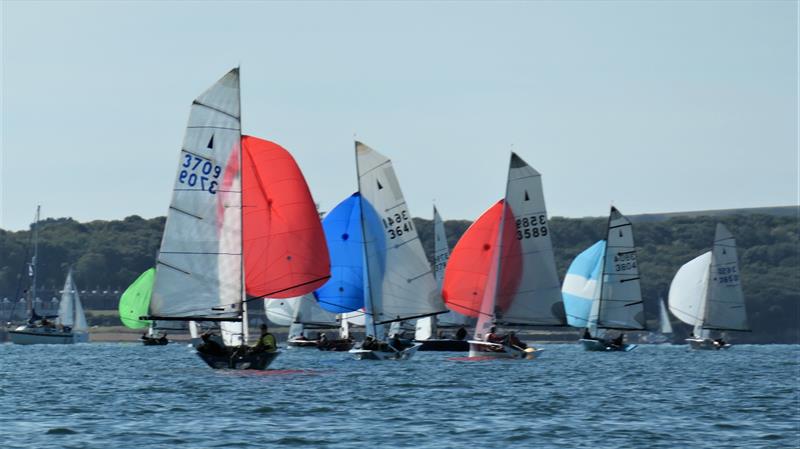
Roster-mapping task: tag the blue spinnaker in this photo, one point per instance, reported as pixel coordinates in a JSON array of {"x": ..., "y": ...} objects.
[
  {"x": 582, "y": 284},
  {"x": 344, "y": 291}
]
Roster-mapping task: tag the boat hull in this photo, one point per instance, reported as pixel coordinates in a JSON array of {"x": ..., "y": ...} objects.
[
  {"x": 154, "y": 341},
  {"x": 45, "y": 336},
  {"x": 302, "y": 343},
  {"x": 600, "y": 345},
  {"x": 369, "y": 354},
  {"x": 443, "y": 344},
  {"x": 497, "y": 350},
  {"x": 336, "y": 345},
  {"x": 707, "y": 344},
  {"x": 235, "y": 361}
]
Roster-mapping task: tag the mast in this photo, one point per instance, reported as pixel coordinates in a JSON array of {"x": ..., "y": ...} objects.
[
  {"x": 243, "y": 296},
  {"x": 34, "y": 261},
  {"x": 368, "y": 290}
]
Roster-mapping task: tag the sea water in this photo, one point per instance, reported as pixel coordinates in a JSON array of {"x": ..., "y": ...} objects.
[{"x": 658, "y": 396}]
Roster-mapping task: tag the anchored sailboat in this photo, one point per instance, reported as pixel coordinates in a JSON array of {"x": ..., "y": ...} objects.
[
  {"x": 428, "y": 329},
  {"x": 601, "y": 289},
  {"x": 502, "y": 271},
  {"x": 707, "y": 293},
  {"x": 70, "y": 323},
  {"x": 399, "y": 282},
  {"x": 241, "y": 226}
]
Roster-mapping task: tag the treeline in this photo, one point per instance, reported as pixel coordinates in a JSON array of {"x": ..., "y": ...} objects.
[{"x": 112, "y": 253}]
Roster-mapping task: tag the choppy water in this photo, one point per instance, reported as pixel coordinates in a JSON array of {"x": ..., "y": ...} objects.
[{"x": 127, "y": 395}]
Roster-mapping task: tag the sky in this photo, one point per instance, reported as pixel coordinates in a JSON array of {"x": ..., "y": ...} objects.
[{"x": 652, "y": 106}]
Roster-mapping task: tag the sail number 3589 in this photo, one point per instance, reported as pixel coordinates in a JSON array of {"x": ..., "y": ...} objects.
[
  {"x": 397, "y": 224},
  {"x": 199, "y": 172},
  {"x": 531, "y": 227}
]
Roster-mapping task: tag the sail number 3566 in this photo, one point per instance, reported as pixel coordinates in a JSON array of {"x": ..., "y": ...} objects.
[
  {"x": 531, "y": 227},
  {"x": 397, "y": 224},
  {"x": 199, "y": 172}
]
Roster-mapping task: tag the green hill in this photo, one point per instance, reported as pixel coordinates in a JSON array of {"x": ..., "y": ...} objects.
[{"x": 112, "y": 253}]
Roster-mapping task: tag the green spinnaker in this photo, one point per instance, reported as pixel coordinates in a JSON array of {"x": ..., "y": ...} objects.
[{"x": 135, "y": 301}]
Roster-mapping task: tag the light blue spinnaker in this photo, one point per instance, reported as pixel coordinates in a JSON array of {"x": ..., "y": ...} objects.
[
  {"x": 344, "y": 291},
  {"x": 582, "y": 286}
]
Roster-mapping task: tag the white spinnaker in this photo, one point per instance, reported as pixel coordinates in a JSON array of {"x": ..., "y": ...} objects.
[
  {"x": 725, "y": 309},
  {"x": 309, "y": 312},
  {"x": 688, "y": 290},
  {"x": 621, "y": 305},
  {"x": 665, "y": 326},
  {"x": 199, "y": 269},
  {"x": 281, "y": 312},
  {"x": 537, "y": 300},
  {"x": 401, "y": 283}
]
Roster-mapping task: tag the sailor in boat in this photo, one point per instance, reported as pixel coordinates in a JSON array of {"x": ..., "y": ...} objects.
[
  {"x": 586, "y": 334},
  {"x": 211, "y": 345},
  {"x": 619, "y": 340},
  {"x": 461, "y": 333},
  {"x": 398, "y": 344},
  {"x": 513, "y": 341},
  {"x": 266, "y": 342},
  {"x": 719, "y": 342}
]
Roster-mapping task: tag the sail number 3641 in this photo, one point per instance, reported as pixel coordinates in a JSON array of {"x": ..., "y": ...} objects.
[
  {"x": 397, "y": 224},
  {"x": 531, "y": 227},
  {"x": 200, "y": 173}
]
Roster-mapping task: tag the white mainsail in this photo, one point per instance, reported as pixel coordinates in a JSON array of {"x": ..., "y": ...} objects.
[
  {"x": 537, "y": 300},
  {"x": 199, "y": 267},
  {"x": 400, "y": 283},
  {"x": 70, "y": 309},
  {"x": 665, "y": 326},
  {"x": 620, "y": 305},
  {"x": 725, "y": 309}
]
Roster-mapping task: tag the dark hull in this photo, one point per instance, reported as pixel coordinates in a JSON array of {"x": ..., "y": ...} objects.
[
  {"x": 154, "y": 341},
  {"x": 336, "y": 345},
  {"x": 249, "y": 360},
  {"x": 600, "y": 345},
  {"x": 444, "y": 345},
  {"x": 302, "y": 343}
]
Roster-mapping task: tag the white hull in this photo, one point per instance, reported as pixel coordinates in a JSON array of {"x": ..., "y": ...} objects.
[
  {"x": 707, "y": 344},
  {"x": 368, "y": 354},
  {"x": 24, "y": 335},
  {"x": 496, "y": 350}
]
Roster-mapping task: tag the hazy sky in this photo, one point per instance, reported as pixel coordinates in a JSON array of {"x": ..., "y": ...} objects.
[{"x": 656, "y": 106}]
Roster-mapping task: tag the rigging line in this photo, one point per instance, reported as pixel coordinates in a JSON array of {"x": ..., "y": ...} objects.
[
  {"x": 173, "y": 267},
  {"x": 186, "y": 213},
  {"x": 195, "y": 102},
  {"x": 266, "y": 296},
  {"x": 213, "y": 127},
  {"x": 619, "y": 226},
  {"x": 200, "y": 253}
]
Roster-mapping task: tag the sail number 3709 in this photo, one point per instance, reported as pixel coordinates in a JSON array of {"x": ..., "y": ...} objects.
[
  {"x": 397, "y": 224},
  {"x": 531, "y": 227},
  {"x": 198, "y": 172}
]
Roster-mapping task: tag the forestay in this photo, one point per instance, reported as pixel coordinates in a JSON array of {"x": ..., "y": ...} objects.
[
  {"x": 621, "y": 305},
  {"x": 199, "y": 267},
  {"x": 400, "y": 283},
  {"x": 725, "y": 308}
]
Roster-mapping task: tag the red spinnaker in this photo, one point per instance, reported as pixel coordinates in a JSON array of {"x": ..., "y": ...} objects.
[
  {"x": 467, "y": 273},
  {"x": 285, "y": 253}
]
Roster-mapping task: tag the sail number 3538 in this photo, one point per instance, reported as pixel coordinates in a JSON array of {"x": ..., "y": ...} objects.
[
  {"x": 531, "y": 227},
  {"x": 198, "y": 172},
  {"x": 397, "y": 224}
]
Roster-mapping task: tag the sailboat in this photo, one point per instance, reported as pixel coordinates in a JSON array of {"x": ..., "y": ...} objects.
[
  {"x": 300, "y": 314},
  {"x": 135, "y": 302},
  {"x": 343, "y": 294},
  {"x": 601, "y": 289},
  {"x": 70, "y": 323},
  {"x": 502, "y": 271},
  {"x": 428, "y": 329},
  {"x": 69, "y": 327},
  {"x": 241, "y": 226},
  {"x": 399, "y": 283},
  {"x": 664, "y": 332},
  {"x": 707, "y": 293}
]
